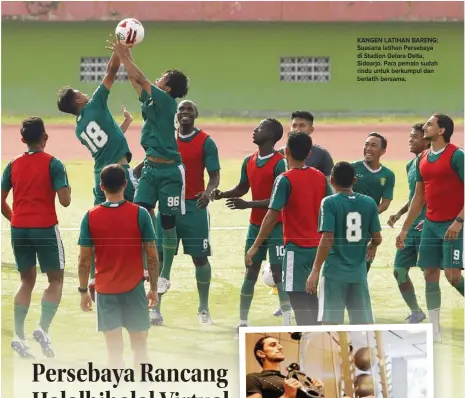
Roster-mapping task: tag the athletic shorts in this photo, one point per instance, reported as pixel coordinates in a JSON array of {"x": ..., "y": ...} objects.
[
  {"x": 435, "y": 252},
  {"x": 99, "y": 196},
  {"x": 408, "y": 256},
  {"x": 297, "y": 266},
  {"x": 42, "y": 244},
  {"x": 335, "y": 297},
  {"x": 127, "y": 310},
  {"x": 162, "y": 183},
  {"x": 192, "y": 229},
  {"x": 273, "y": 245}
]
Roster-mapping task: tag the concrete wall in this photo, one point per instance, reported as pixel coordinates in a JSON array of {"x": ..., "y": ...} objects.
[{"x": 233, "y": 67}]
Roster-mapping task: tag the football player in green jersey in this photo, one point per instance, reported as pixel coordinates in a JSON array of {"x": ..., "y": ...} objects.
[
  {"x": 98, "y": 131},
  {"x": 373, "y": 178},
  {"x": 162, "y": 179},
  {"x": 408, "y": 256},
  {"x": 351, "y": 232}
]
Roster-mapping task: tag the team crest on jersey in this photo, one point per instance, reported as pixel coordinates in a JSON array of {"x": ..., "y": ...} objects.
[{"x": 382, "y": 181}]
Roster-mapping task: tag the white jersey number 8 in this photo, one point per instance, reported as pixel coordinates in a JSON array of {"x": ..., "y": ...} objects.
[{"x": 354, "y": 227}]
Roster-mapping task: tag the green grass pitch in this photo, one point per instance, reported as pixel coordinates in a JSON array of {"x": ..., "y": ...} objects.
[{"x": 182, "y": 340}]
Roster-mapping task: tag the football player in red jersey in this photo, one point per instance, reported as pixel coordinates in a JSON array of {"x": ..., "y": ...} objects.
[
  {"x": 258, "y": 173},
  {"x": 119, "y": 231},
  {"x": 439, "y": 184},
  {"x": 296, "y": 197},
  {"x": 36, "y": 178},
  {"x": 198, "y": 153}
]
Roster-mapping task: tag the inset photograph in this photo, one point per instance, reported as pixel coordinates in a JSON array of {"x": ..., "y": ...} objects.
[{"x": 377, "y": 361}]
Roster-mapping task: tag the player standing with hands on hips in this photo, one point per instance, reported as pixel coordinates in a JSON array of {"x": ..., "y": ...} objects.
[{"x": 440, "y": 186}]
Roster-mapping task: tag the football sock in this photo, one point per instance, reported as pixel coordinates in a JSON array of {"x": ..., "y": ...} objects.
[
  {"x": 20, "y": 312},
  {"x": 433, "y": 303},
  {"x": 459, "y": 286},
  {"x": 410, "y": 299},
  {"x": 170, "y": 241},
  {"x": 247, "y": 291},
  {"x": 49, "y": 310},
  {"x": 284, "y": 304},
  {"x": 160, "y": 267},
  {"x": 203, "y": 276}
]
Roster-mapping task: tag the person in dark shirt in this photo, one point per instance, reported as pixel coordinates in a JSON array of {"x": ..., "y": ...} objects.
[
  {"x": 319, "y": 157},
  {"x": 270, "y": 382}
]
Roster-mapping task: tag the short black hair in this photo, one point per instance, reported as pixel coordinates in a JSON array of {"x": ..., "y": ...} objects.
[
  {"x": 178, "y": 82},
  {"x": 299, "y": 145},
  {"x": 343, "y": 174},
  {"x": 302, "y": 115},
  {"x": 259, "y": 347},
  {"x": 382, "y": 138},
  {"x": 446, "y": 123},
  {"x": 276, "y": 128},
  {"x": 418, "y": 127},
  {"x": 113, "y": 178},
  {"x": 32, "y": 129},
  {"x": 66, "y": 100}
]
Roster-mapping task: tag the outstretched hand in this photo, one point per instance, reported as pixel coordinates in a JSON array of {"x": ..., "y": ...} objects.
[
  {"x": 236, "y": 203},
  {"x": 118, "y": 47}
]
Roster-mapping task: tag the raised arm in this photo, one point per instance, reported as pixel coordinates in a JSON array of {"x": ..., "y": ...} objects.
[
  {"x": 112, "y": 70},
  {"x": 134, "y": 73}
]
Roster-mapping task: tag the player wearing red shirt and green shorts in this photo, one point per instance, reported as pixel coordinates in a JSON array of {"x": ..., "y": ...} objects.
[
  {"x": 347, "y": 220},
  {"x": 296, "y": 196},
  {"x": 258, "y": 174},
  {"x": 162, "y": 177},
  {"x": 36, "y": 178},
  {"x": 408, "y": 256},
  {"x": 198, "y": 153},
  {"x": 374, "y": 179},
  {"x": 121, "y": 233},
  {"x": 440, "y": 173}
]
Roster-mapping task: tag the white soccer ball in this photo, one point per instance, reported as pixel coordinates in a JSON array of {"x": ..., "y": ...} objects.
[
  {"x": 130, "y": 31},
  {"x": 268, "y": 276}
]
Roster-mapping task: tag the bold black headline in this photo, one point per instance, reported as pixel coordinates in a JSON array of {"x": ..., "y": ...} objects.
[{"x": 146, "y": 374}]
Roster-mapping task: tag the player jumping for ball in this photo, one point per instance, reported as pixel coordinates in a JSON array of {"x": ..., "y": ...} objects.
[
  {"x": 258, "y": 173},
  {"x": 347, "y": 220},
  {"x": 121, "y": 233},
  {"x": 98, "y": 131},
  {"x": 440, "y": 186},
  {"x": 199, "y": 153},
  {"x": 35, "y": 178},
  {"x": 373, "y": 178},
  {"x": 162, "y": 179},
  {"x": 296, "y": 197},
  {"x": 408, "y": 256}
]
